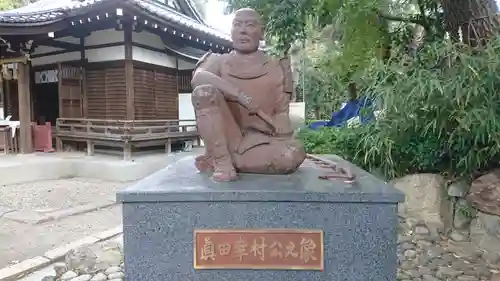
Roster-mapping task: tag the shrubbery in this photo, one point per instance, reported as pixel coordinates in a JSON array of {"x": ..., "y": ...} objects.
[{"x": 441, "y": 114}]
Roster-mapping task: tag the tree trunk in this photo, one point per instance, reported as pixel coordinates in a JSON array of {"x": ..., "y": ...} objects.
[{"x": 477, "y": 20}]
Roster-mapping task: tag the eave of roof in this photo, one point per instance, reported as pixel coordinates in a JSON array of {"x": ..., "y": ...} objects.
[
  {"x": 187, "y": 52},
  {"x": 45, "y": 12},
  {"x": 183, "y": 20}
]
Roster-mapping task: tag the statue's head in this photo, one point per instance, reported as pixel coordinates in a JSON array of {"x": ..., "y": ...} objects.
[{"x": 246, "y": 31}]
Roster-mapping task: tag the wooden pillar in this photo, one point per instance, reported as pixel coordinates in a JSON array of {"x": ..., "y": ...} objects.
[
  {"x": 177, "y": 75},
  {"x": 7, "y": 103},
  {"x": 60, "y": 90},
  {"x": 25, "y": 133},
  {"x": 177, "y": 79},
  {"x": 31, "y": 86},
  {"x": 83, "y": 64},
  {"x": 129, "y": 71},
  {"x": 2, "y": 93}
]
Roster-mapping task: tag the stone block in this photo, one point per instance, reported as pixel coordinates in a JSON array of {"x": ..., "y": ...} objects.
[
  {"x": 161, "y": 213},
  {"x": 426, "y": 199},
  {"x": 458, "y": 189},
  {"x": 486, "y": 233},
  {"x": 59, "y": 252},
  {"x": 484, "y": 193}
]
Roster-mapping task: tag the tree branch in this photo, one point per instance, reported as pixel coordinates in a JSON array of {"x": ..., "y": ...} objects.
[
  {"x": 422, "y": 14},
  {"x": 421, "y": 8}
]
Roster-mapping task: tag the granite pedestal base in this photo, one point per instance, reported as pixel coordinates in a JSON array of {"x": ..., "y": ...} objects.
[{"x": 161, "y": 212}]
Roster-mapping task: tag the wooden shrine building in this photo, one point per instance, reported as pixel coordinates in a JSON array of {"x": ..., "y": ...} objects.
[{"x": 106, "y": 73}]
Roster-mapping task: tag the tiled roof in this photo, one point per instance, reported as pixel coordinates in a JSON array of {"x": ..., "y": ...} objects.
[
  {"x": 46, "y": 11},
  {"x": 169, "y": 14},
  {"x": 43, "y": 11}
]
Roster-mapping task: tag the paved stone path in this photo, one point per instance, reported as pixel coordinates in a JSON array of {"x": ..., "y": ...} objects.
[{"x": 424, "y": 255}]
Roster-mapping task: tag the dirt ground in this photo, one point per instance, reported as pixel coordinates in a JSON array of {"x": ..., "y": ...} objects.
[
  {"x": 56, "y": 194},
  {"x": 19, "y": 241}
]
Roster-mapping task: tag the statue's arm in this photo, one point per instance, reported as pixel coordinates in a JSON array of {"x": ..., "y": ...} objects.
[
  {"x": 282, "y": 110},
  {"x": 207, "y": 72},
  {"x": 209, "y": 63}
]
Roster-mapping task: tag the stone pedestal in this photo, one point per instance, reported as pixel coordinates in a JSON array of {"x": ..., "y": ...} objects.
[{"x": 162, "y": 212}]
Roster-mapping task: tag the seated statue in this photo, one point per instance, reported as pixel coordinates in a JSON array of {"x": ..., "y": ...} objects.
[{"x": 241, "y": 101}]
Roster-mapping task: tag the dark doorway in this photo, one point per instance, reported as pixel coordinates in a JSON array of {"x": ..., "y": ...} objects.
[
  {"x": 46, "y": 103},
  {"x": 11, "y": 102}
]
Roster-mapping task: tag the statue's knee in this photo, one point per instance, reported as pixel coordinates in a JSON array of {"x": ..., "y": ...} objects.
[
  {"x": 296, "y": 155},
  {"x": 290, "y": 158},
  {"x": 205, "y": 96}
]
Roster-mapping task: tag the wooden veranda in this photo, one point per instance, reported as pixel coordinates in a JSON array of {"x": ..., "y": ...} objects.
[{"x": 106, "y": 75}]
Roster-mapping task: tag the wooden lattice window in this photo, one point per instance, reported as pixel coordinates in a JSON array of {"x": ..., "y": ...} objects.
[{"x": 184, "y": 81}]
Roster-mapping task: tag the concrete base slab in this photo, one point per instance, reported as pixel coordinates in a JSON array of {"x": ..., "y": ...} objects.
[
  {"x": 34, "y": 217},
  {"x": 67, "y": 165}
]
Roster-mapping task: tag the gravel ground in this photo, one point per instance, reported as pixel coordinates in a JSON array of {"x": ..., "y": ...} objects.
[
  {"x": 425, "y": 256},
  {"x": 57, "y": 194}
]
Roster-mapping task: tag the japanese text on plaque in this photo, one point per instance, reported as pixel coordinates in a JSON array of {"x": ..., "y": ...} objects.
[{"x": 273, "y": 249}]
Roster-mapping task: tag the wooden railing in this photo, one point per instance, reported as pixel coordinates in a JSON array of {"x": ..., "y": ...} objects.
[{"x": 124, "y": 133}]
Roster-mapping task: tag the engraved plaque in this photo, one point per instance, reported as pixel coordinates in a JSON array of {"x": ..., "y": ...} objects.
[{"x": 292, "y": 249}]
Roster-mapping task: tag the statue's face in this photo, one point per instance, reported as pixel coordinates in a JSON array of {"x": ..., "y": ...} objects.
[{"x": 246, "y": 31}]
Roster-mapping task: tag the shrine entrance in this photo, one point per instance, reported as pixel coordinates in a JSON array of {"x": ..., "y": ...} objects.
[
  {"x": 58, "y": 93},
  {"x": 10, "y": 102},
  {"x": 46, "y": 96}
]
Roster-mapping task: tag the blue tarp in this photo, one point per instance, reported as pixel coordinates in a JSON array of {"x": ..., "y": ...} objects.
[{"x": 350, "y": 110}]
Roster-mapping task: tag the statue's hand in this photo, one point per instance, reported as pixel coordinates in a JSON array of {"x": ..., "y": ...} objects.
[
  {"x": 246, "y": 101},
  {"x": 253, "y": 110}
]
